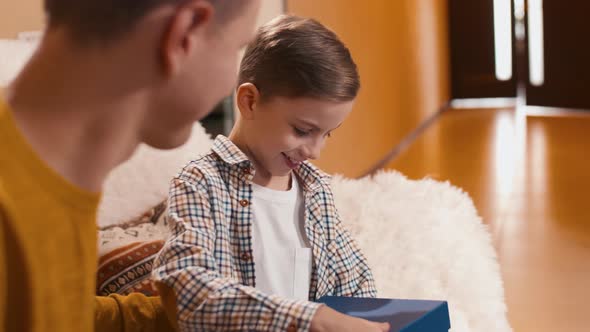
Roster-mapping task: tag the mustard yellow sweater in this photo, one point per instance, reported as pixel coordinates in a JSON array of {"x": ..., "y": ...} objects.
[{"x": 48, "y": 251}]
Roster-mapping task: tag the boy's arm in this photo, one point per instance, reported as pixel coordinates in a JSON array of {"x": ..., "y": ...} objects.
[
  {"x": 353, "y": 275},
  {"x": 135, "y": 312},
  {"x": 206, "y": 301}
]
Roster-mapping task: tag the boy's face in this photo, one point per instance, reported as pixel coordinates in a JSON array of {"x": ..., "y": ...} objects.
[
  {"x": 204, "y": 77},
  {"x": 284, "y": 132}
]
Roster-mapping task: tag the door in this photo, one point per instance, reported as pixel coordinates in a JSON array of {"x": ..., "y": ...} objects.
[
  {"x": 473, "y": 49},
  {"x": 558, "y": 53}
]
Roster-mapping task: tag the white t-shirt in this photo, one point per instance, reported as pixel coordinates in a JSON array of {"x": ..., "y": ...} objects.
[{"x": 282, "y": 254}]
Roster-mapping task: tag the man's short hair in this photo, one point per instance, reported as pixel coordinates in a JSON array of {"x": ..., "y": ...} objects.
[{"x": 106, "y": 20}]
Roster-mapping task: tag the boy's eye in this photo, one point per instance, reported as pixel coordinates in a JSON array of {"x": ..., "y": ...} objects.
[{"x": 300, "y": 132}]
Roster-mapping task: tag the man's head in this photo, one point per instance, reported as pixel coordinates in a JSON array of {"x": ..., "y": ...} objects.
[
  {"x": 180, "y": 56},
  {"x": 297, "y": 82},
  {"x": 91, "y": 21}
]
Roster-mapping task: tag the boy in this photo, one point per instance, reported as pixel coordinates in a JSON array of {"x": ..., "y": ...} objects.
[
  {"x": 256, "y": 235},
  {"x": 107, "y": 76}
]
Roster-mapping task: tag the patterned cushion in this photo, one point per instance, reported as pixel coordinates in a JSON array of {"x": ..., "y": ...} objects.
[{"x": 127, "y": 269}]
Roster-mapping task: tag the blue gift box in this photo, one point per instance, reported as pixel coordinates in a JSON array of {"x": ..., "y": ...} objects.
[{"x": 402, "y": 315}]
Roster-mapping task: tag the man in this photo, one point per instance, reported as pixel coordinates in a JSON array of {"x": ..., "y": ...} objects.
[{"x": 108, "y": 75}]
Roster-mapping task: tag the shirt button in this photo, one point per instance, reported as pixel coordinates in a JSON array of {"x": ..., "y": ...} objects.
[
  {"x": 292, "y": 328},
  {"x": 246, "y": 170},
  {"x": 244, "y": 202},
  {"x": 246, "y": 256}
]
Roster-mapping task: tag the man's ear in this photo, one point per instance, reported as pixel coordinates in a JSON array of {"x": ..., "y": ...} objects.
[
  {"x": 185, "y": 31},
  {"x": 247, "y": 98}
]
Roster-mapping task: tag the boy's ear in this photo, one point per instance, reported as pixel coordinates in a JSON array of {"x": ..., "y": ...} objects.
[
  {"x": 184, "y": 34},
  {"x": 247, "y": 98}
]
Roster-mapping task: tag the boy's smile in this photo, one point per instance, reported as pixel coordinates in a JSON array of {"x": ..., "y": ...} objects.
[{"x": 291, "y": 163}]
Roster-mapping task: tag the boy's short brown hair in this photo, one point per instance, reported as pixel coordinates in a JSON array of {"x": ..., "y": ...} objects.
[
  {"x": 106, "y": 20},
  {"x": 299, "y": 57}
]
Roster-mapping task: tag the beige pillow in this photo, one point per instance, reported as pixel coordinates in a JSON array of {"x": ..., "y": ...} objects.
[{"x": 149, "y": 226}]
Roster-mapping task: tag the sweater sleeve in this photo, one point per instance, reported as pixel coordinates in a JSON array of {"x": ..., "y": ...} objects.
[{"x": 135, "y": 312}]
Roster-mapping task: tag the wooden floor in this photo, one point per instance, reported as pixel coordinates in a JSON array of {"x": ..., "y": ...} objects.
[{"x": 529, "y": 176}]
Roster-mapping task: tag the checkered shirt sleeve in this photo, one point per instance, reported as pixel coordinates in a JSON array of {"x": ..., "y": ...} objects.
[{"x": 349, "y": 265}]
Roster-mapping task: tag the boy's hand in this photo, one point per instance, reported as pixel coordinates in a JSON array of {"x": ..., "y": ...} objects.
[{"x": 328, "y": 320}]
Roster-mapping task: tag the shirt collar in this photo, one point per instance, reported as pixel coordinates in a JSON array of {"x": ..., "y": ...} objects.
[
  {"x": 229, "y": 152},
  {"x": 312, "y": 178}
]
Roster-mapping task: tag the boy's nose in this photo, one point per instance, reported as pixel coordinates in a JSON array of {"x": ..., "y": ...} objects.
[{"x": 312, "y": 151}]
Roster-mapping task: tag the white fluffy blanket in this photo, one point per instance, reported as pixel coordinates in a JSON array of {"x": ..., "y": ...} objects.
[
  {"x": 424, "y": 240},
  {"x": 13, "y": 55}
]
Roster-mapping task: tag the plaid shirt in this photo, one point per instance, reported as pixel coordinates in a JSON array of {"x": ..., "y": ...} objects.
[{"x": 208, "y": 260}]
